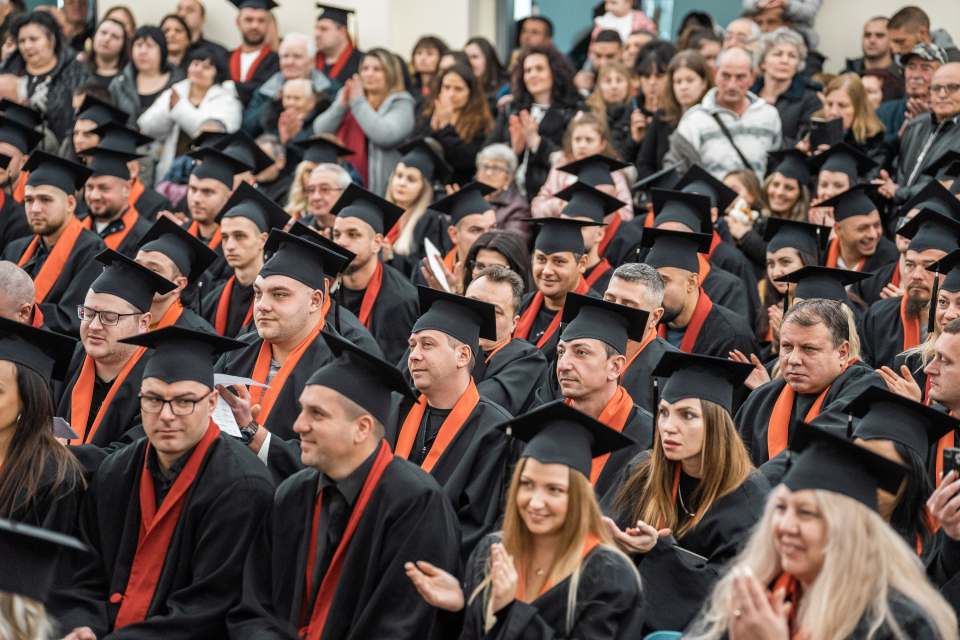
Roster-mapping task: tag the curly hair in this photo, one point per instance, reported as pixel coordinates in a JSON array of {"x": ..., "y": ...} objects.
[{"x": 563, "y": 91}]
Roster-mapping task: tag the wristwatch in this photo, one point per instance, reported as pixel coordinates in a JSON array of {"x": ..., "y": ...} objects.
[{"x": 248, "y": 432}]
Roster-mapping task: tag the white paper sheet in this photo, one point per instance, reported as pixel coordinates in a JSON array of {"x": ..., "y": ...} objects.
[
  {"x": 222, "y": 414},
  {"x": 435, "y": 259},
  {"x": 225, "y": 380}
]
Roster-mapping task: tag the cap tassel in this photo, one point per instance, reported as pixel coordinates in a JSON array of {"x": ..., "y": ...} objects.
[
  {"x": 199, "y": 299},
  {"x": 850, "y": 426},
  {"x": 932, "y": 308},
  {"x": 336, "y": 311},
  {"x": 656, "y": 403}
]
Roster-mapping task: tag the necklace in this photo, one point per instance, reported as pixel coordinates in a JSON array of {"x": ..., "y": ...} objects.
[
  {"x": 683, "y": 506},
  {"x": 539, "y": 572}
]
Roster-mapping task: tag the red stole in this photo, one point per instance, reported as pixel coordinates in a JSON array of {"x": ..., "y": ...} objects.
[
  {"x": 700, "y": 313},
  {"x": 778, "y": 431},
  {"x": 114, "y": 240},
  {"x": 21, "y": 188},
  {"x": 392, "y": 235},
  {"x": 911, "y": 326},
  {"x": 834, "y": 254},
  {"x": 223, "y": 307},
  {"x": 602, "y": 267},
  {"x": 262, "y": 369},
  {"x": 370, "y": 295},
  {"x": 235, "y": 63},
  {"x": 156, "y": 531},
  {"x": 494, "y": 352},
  {"x": 82, "y": 395},
  {"x": 609, "y": 233},
  {"x": 588, "y": 544},
  {"x": 451, "y": 426},
  {"x": 713, "y": 244},
  {"x": 526, "y": 320},
  {"x": 615, "y": 416},
  {"x": 55, "y": 262},
  {"x": 136, "y": 190},
  {"x": 338, "y": 65},
  {"x": 37, "y": 317},
  {"x": 895, "y": 280},
  {"x": 355, "y": 139},
  {"x": 194, "y": 230}
]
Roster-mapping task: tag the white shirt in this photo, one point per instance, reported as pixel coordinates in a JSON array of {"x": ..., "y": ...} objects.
[
  {"x": 623, "y": 26},
  {"x": 246, "y": 60}
]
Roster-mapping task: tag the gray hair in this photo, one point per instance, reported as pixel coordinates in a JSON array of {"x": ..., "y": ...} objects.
[
  {"x": 498, "y": 273},
  {"x": 18, "y": 288},
  {"x": 755, "y": 32},
  {"x": 308, "y": 42},
  {"x": 644, "y": 275},
  {"x": 343, "y": 178},
  {"x": 814, "y": 311},
  {"x": 777, "y": 37},
  {"x": 277, "y": 149},
  {"x": 500, "y": 152},
  {"x": 304, "y": 83}
]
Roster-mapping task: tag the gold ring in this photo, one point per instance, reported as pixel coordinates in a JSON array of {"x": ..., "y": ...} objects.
[{"x": 737, "y": 613}]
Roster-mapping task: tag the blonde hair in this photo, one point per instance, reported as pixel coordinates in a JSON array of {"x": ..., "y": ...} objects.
[
  {"x": 865, "y": 563},
  {"x": 853, "y": 340},
  {"x": 583, "y": 517},
  {"x": 926, "y": 350},
  {"x": 865, "y": 123},
  {"x": 23, "y": 618},
  {"x": 392, "y": 73},
  {"x": 596, "y": 101},
  {"x": 297, "y": 201},
  {"x": 408, "y": 221},
  {"x": 801, "y": 208}
]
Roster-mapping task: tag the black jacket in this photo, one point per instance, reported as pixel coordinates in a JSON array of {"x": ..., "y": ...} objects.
[
  {"x": 795, "y": 105},
  {"x": 656, "y": 143}
]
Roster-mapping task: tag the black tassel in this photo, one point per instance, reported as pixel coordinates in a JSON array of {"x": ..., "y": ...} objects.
[
  {"x": 336, "y": 311},
  {"x": 656, "y": 407},
  {"x": 932, "y": 309},
  {"x": 199, "y": 299},
  {"x": 789, "y": 455},
  {"x": 850, "y": 426}
]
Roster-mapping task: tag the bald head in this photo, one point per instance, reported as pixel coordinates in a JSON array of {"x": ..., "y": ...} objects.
[
  {"x": 16, "y": 293},
  {"x": 945, "y": 104},
  {"x": 734, "y": 78}
]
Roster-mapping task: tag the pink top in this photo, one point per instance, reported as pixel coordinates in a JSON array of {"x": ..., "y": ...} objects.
[{"x": 545, "y": 205}]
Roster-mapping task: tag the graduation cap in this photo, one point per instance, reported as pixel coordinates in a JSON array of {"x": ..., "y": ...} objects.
[
  {"x": 887, "y": 416},
  {"x": 265, "y": 5},
  {"x": 217, "y": 165},
  {"x": 30, "y": 118},
  {"x": 4, "y": 161},
  {"x": 129, "y": 280},
  {"x": 666, "y": 178},
  {"x": 48, "y": 169},
  {"x": 947, "y": 166},
  {"x": 337, "y": 14},
  {"x": 823, "y": 282},
  {"x": 930, "y": 230},
  {"x": 594, "y": 170},
  {"x": 946, "y": 265},
  {"x": 191, "y": 256},
  {"x": 585, "y": 201},
  {"x": 100, "y": 112},
  {"x": 790, "y": 163},
  {"x": 309, "y": 233},
  {"x": 855, "y": 201},
  {"x": 119, "y": 137},
  {"x": 108, "y": 162},
  {"x": 361, "y": 377},
  {"x": 556, "y": 433},
  {"x": 244, "y": 150},
  {"x": 675, "y": 249},
  {"x": 248, "y": 202},
  {"x": 560, "y": 235},
  {"x": 18, "y": 135},
  {"x": 936, "y": 197},
  {"x": 302, "y": 259},
  {"x": 830, "y": 463},
  {"x": 614, "y": 324},
  {"x": 322, "y": 149},
  {"x": 357, "y": 202},
  {"x": 690, "y": 209},
  {"x": 698, "y": 180},
  {"x": 468, "y": 201},
  {"x": 183, "y": 354},
  {"x": 419, "y": 154},
  {"x": 44, "y": 351},
  {"x": 28, "y": 558},
  {"x": 843, "y": 158},
  {"x": 802, "y": 236},
  {"x": 207, "y": 138},
  {"x": 465, "y": 319},
  {"x": 702, "y": 377}
]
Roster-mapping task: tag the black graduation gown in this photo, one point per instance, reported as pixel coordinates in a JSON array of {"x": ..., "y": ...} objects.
[
  {"x": 241, "y": 298},
  {"x": 13, "y": 222},
  {"x": 609, "y": 603},
  {"x": 407, "y": 518},
  {"x": 264, "y": 71},
  {"x": 722, "y": 332},
  {"x": 549, "y": 348},
  {"x": 943, "y": 568},
  {"x": 197, "y": 585},
  {"x": 511, "y": 377},
  {"x": 637, "y": 380},
  {"x": 753, "y": 418},
  {"x": 432, "y": 226},
  {"x": 624, "y": 244},
  {"x": 189, "y": 319},
  {"x": 349, "y": 69},
  {"x": 869, "y": 290},
  {"x": 59, "y": 308},
  {"x": 150, "y": 203},
  {"x": 394, "y": 313},
  {"x": 600, "y": 284},
  {"x": 128, "y": 246},
  {"x": 351, "y": 329},
  {"x": 729, "y": 291},
  {"x": 639, "y": 428},
  {"x": 54, "y": 505},
  {"x": 728, "y": 258},
  {"x": 881, "y": 333}
]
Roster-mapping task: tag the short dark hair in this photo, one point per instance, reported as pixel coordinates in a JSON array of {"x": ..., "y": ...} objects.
[
  {"x": 545, "y": 20},
  {"x": 97, "y": 91},
  {"x": 511, "y": 246},
  {"x": 211, "y": 55},
  {"x": 46, "y": 21},
  {"x": 654, "y": 57},
  {"x": 829, "y": 313},
  {"x": 909, "y": 17},
  {"x": 609, "y": 35}
]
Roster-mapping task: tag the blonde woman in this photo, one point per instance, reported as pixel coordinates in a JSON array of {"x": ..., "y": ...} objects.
[
  {"x": 612, "y": 97},
  {"x": 822, "y": 563},
  {"x": 685, "y": 507},
  {"x": 554, "y": 571}
]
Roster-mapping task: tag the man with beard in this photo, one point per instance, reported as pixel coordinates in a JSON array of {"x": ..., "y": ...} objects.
[
  {"x": 59, "y": 257},
  {"x": 337, "y": 58},
  {"x": 894, "y": 325},
  {"x": 253, "y": 62},
  {"x": 859, "y": 244},
  {"x": 379, "y": 295},
  {"x": 118, "y": 137}
]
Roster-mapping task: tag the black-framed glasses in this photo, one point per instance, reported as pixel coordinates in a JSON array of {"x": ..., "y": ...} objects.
[
  {"x": 107, "y": 318},
  {"x": 951, "y": 88},
  {"x": 179, "y": 406}
]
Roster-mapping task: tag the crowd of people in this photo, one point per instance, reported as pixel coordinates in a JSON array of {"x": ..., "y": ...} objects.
[{"x": 303, "y": 340}]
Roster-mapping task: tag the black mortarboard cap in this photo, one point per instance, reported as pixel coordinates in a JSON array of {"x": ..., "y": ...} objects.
[
  {"x": 560, "y": 235},
  {"x": 213, "y": 163},
  {"x": 702, "y": 377},
  {"x": 614, "y": 324},
  {"x": 698, "y": 180},
  {"x": 322, "y": 149},
  {"x": 129, "y": 280},
  {"x": 107, "y": 162},
  {"x": 4, "y": 161},
  {"x": 191, "y": 256},
  {"x": 18, "y": 135},
  {"x": 419, "y": 154},
  {"x": 585, "y": 201},
  {"x": 666, "y": 178},
  {"x": 30, "y": 118},
  {"x": 119, "y": 137},
  {"x": 947, "y": 266},
  {"x": 465, "y": 319},
  {"x": 468, "y": 201},
  {"x": 207, "y": 139},
  {"x": 48, "y": 169},
  {"x": 855, "y": 201},
  {"x": 309, "y": 233},
  {"x": 244, "y": 150},
  {"x": 100, "y": 112},
  {"x": 946, "y": 167},
  {"x": 885, "y": 415},
  {"x": 930, "y": 230},
  {"x": 266, "y": 5},
  {"x": 357, "y": 202},
  {"x": 790, "y": 163},
  {"x": 675, "y": 248},
  {"x": 594, "y": 170},
  {"x": 250, "y": 203},
  {"x": 802, "y": 236},
  {"x": 337, "y": 14},
  {"x": 361, "y": 377},
  {"x": 843, "y": 158},
  {"x": 823, "y": 282},
  {"x": 556, "y": 433},
  {"x": 690, "y": 209},
  {"x": 44, "y": 351},
  {"x": 831, "y": 463},
  {"x": 183, "y": 354},
  {"x": 302, "y": 259},
  {"x": 29, "y": 557},
  {"x": 936, "y": 197}
]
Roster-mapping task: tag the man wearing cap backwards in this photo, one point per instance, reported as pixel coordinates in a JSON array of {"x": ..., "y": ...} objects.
[
  {"x": 817, "y": 381},
  {"x": 859, "y": 244},
  {"x": 326, "y": 561},
  {"x": 379, "y": 295},
  {"x": 99, "y": 398},
  {"x": 894, "y": 325},
  {"x": 59, "y": 257},
  {"x": 253, "y": 62},
  {"x": 171, "y": 517},
  {"x": 336, "y": 56},
  {"x": 450, "y": 433}
]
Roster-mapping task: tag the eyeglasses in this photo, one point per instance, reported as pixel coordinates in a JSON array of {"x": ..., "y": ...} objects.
[
  {"x": 490, "y": 168},
  {"x": 179, "y": 406},
  {"x": 951, "y": 88},
  {"x": 107, "y": 318},
  {"x": 325, "y": 191}
]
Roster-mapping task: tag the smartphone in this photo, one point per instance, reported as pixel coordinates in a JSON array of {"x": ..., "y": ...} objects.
[
  {"x": 951, "y": 461},
  {"x": 828, "y": 132}
]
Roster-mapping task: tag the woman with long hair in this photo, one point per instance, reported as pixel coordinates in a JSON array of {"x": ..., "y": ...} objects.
[
  {"x": 458, "y": 118},
  {"x": 651, "y": 73},
  {"x": 501, "y": 247},
  {"x": 372, "y": 114},
  {"x": 124, "y": 15},
  {"x": 685, "y": 506},
  {"x": 487, "y": 67},
  {"x": 822, "y": 563},
  {"x": 177, "y": 34},
  {"x": 108, "y": 59},
  {"x": 612, "y": 97},
  {"x": 554, "y": 571}
]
